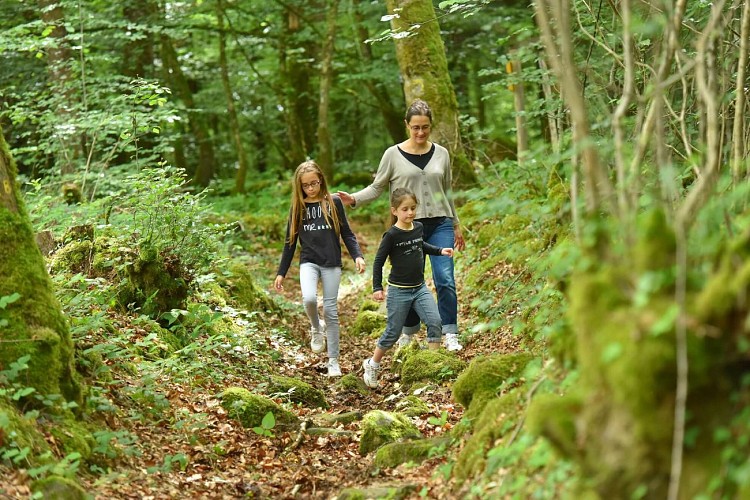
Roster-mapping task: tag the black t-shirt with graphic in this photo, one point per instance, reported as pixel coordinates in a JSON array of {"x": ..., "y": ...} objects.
[
  {"x": 319, "y": 242},
  {"x": 406, "y": 250}
]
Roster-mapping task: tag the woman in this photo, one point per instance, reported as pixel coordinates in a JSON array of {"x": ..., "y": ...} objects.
[{"x": 423, "y": 167}]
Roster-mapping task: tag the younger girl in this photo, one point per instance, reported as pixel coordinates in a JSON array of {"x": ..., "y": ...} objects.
[
  {"x": 317, "y": 219},
  {"x": 405, "y": 246}
]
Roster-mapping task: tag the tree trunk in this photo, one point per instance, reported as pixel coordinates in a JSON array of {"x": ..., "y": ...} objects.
[
  {"x": 138, "y": 54},
  {"x": 393, "y": 116},
  {"x": 424, "y": 68},
  {"x": 234, "y": 124},
  {"x": 325, "y": 144},
  {"x": 33, "y": 325},
  {"x": 204, "y": 171}
]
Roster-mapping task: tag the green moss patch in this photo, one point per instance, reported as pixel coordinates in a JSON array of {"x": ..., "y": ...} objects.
[
  {"x": 297, "y": 391},
  {"x": 389, "y": 492},
  {"x": 59, "y": 488},
  {"x": 394, "y": 454},
  {"x": 239, "y": 281},
  {"x": 412, "y": 406},
  {"x": 368, "y": 323},
  {"x": 340, "y": 418},
  {"x": 429, "y": 365},
  {"x": 380, "y": 427},
  {"x": 352, "y": 383},
  {"x": 553, "y": 417},
  {"x": 250, "y": 409}
]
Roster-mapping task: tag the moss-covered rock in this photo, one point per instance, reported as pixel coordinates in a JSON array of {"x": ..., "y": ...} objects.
[
  {"x": 156, "y": 282},
  {"x": 485, "y": 375},
  {"x": 380, "y": 427},
  {"x": 74, "y": 437},
  {"x": 250, "y": 409},
  {"x": 369, "y": 324},
  {"x": 389, "y": 492},
  {"x": 498, "y": 417},
  {"x": 339, "y": 418},
  {"x": 417, "y": 451},
  {"x": 59, "y": 488},
  {"x": 75, "y": 257},
  {"x": 429, "y": 365},
  {"x": 297, "y": 391},
  {"x": 20, "y": 432},
  {"x": 412, "y": 406},
  {"x": 238, "y": 280},
  {"x": 352, "y": 383}
]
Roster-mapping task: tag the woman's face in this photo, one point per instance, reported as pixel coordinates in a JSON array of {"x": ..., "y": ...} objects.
[
  {"x": 310, "y": 184},
  {"x": 419, "y": 128}
]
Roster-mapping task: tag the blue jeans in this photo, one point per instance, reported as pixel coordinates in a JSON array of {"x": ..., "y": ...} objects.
[
  {"x": 440, "y": 235},
  {"x": 400, "y": 302}
]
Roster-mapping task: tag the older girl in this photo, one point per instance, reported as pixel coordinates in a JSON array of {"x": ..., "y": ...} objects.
[{"x": 318, "y": 221}]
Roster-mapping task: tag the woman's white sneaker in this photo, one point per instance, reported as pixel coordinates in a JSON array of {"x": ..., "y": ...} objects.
[
  {"x": 405, "y": 339},
  {"x": 450, "y": 341},
  {"x": 318, "y": 341}
]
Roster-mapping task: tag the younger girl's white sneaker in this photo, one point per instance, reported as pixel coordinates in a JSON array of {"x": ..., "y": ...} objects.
[
  {"x": 450, "y": 340},
  {"x": 318, "y": 341}
]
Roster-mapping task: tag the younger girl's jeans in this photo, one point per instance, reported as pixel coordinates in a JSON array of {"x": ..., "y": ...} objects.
[
  {"x": 309, "y": 275},
  {"x": 399, "y": 301},
  {"x": 442, "y": 236}
]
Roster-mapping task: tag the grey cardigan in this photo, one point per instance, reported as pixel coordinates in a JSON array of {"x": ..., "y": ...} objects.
[{"x": 431, "y": 185}]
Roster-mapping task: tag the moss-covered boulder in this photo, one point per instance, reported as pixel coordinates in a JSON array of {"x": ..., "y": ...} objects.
[
  {"x": 59, "y": 488},
  {"x": 497, "y": 419},
  {"x": 297, "y": 391},
  {"x": 429, "y": 365},
  {"x": 389, "y": 492},
  {"x": 75, "y": 257},
  {"x": 481, "y": 380},
  {"x": 250, "y": 408},
  {"x": 20, "y": 432},
  {"x": 74, "y": 437},
  {"x": 332, "y": 419},
  {"x": 369, "y": 324},
  {"x": 239, "y": 281},
  {"x": 412, "y": 406},
  {"x": 155, "y": 281},
  {"x": 380, "y": 427},
  {"x": 352, "y": 383},
  {"x": 417, "y": 451}
]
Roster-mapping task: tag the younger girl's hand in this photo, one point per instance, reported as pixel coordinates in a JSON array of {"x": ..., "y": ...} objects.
[
  {"x": 277, "y": 283},
  {"x": 379, "y": 295},
  {"x": 360, "y": 263},
  {"x": 448, "y": 252}
]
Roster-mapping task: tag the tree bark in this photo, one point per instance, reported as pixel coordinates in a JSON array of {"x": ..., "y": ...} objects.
[
  {"x": 424, "y": 68},
  {"x": 33, "y": 325},
  {"x": 234, "y": 124},
  {"x": 325, "y": 144}
]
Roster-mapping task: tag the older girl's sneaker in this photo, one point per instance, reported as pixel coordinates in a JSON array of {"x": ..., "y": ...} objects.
[
  {"x": 334, "y": 370},
  {"x": 371, "y": 373},
  {"x": 450, "y": 340},
  {"x": 318, "y": 341}
]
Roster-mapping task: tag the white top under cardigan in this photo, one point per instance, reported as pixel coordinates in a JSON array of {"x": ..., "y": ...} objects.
[{"x": 431, "y": 185}]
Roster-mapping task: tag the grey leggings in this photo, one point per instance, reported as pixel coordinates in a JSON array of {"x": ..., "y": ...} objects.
[{"x": 309, "y": 275}]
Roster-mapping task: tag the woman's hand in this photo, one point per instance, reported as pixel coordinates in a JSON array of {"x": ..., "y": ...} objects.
[
  {"x": 458, "y": 237},
  {"x": 379, "y": 295},
  {"x": 277, "y": 283},
  {"x": 360, "y": 263},
  {"x": 346, "y": 198},
  {"x": 447, "y": 252}
]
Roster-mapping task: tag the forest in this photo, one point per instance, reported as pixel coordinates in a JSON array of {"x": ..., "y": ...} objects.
[{"x": 599, "y": 153}]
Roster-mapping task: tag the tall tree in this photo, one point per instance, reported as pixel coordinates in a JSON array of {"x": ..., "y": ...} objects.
[
  {"x": 234, "y": 124},
  {"x": 33, "y": 324},
  {"x": 325, "y": 144},
  {"x": 424, "y": 68}
]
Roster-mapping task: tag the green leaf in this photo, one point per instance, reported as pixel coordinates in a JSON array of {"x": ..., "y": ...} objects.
[
  {"x": 269, "y": 421},
  {"x": 8, "y": 299}
]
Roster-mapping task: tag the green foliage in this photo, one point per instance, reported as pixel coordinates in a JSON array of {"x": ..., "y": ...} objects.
[{"x": 266, "y": 425}]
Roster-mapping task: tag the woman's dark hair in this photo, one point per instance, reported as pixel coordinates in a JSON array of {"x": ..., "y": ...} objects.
[{"x": 418, "y": 108}]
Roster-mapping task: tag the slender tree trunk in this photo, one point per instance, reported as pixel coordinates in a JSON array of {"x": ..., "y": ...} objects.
[
  {"x": 34, "y": 324},
  {"x": 234, "y": 124},
  {"x": 393, "y": 116},
  {"x": 522, "y": 136},
  {"x": 738, "y": 132},
  {"x": 325, "y": 144},
  {"x": 424, "y": 68},
  {"x": 204, "y": 171},
  {"x": 138, "y": 54}
]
